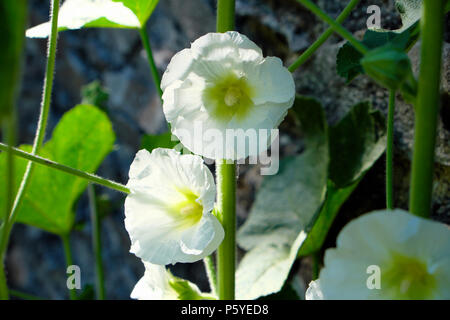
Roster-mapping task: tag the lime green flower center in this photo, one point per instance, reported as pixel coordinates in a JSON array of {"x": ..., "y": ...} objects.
[
  {"x": 188, "y": 211},
  {"x": 228, "y": 97},
  {"x": 408, "y": 278}
]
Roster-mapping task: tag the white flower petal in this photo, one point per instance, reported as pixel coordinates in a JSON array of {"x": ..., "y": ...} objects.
[
  {"x": 223, "y": 83},
  {"x": 163, "y": 185},
  {"x": 413, "y": 255},
  {"x": 154, "y": 285},
  {"x": 267, "y": 80}
]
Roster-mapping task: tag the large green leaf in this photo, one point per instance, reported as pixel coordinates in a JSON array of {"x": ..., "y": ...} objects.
[
  {"x": 356, "y": 142},
  {"x": 290, "y": 216},
  {"x": 77, "y": 14},
  {"x": 334, "y": 200},
  {"x": 12, "y": 24},
  {"x": 285, "y": 206},
  {"x": 81, "y": 140}
]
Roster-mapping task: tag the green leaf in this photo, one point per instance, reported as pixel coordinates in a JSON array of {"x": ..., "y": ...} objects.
[
  {"x": 78, "y": 14},
  {"x": 186, "y": 290},
  {"x": 356, "y": 142},
  {"x": 291, "y": 215},
  {"x": 335, "y": 199},
  {"x": 141, "y": 8},
  {"x": 81, "y": 140},
  {"x": 275, "y": 229},
  {"x": 163, "y": 140},
  {"x": 12, "y": 23}
]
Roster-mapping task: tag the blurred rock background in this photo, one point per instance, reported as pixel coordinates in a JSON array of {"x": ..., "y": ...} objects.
[{"x": 117, "y": 60}]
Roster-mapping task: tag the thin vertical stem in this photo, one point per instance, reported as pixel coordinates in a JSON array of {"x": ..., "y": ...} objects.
[
  {"x": 211, "y": 273},
  {"x": 69, "y": 261},
  {"x": 97, "y": 244},
  {"x": 154, "y": 71},
  {"x": 427, "y": 107},
  {"x": 226, "y": 254},
  {"x": 390, "y": 152},
  {"x": 225, "y": 15},
  {"x": 226, "y": 192},
  {"x": 324, "y": 37}
]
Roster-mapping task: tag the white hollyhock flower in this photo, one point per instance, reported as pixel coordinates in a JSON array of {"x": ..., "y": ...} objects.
[
  {"x": 168, "y": 211},
  {"x": 221, "y": 83},
  {"x": 411, "y": 254},
  {"x": 154, "y": 285}
]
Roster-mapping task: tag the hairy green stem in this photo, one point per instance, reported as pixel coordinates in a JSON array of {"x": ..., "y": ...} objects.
[
  {"x": 154, "y": 71},
  {"x": 324, "y": 37},
  {"x": 344, "y": 33},
  {"x": 69, "y": 170},
  {"x": 211, "y": 273},
  {"x": 40, "y": 131},
  {"x": 427, "y": 107},
  {"x": 226, "y": 189},
  {"x": 69, "y": 261},
  {"x": 390, "y": 152},
  {"x": 97, "y": 244}
]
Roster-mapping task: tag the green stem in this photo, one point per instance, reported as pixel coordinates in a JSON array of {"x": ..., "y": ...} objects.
[
  {"x": 390, "y": 153},
  {"x": 211, "y": 273},
  {"x": 226, "y": 189},
  {"x": 324, "y": 37},
  {"x": 226, "y": 254},
  {"x": 427, "y": 107},
  {"x": 97, "y": 244},
  {"x": 69, "y": 261},
  {"x": 40, "y": 131},
  {"x": 154, "y": 71},
  {"x": 225, "y": 15},
  {"x": 69, "y": 170},
  {"x": 344, "y": 33}
]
